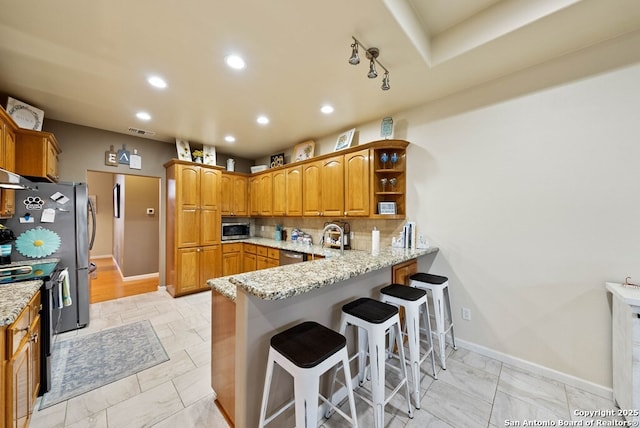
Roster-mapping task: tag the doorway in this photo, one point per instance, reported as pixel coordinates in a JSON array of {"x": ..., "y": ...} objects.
[{"x": 126, "y": 248}]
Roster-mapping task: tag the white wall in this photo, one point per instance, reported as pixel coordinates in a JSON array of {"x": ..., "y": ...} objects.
[{"x": 532, "y": 196}]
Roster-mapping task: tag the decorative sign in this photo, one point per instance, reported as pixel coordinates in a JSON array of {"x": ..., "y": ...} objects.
[
  {"x": 209, "y": 154},
  {"x": 276, "y": 160},
  {"x": 123, "y": 155},
  {"x": 386, "y": 128},
  {"x": 24, "y": 115},
  {"x": 111, "y": 157},
  {"x": 136, "y": 160}
]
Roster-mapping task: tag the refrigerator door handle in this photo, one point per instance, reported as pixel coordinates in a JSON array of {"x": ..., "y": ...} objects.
[{"x": 92, "y": 211}]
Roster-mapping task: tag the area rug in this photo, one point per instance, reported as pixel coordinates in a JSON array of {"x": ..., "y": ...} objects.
[{"x": 83, "y": 363}]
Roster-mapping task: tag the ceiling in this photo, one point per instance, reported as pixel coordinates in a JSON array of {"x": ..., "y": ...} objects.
[{"x": 86, "y": 62}]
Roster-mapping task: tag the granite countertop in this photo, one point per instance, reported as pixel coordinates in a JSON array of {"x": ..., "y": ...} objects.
[
  {"x": 288, "y": 245},
  {"x": 287, "y": 281},
  {"x": 15, "y": 296}
]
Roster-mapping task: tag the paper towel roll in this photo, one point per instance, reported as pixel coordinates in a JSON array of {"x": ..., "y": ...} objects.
[{"x": 375, "y": 241}]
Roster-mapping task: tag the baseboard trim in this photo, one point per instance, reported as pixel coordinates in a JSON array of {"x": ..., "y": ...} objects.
[
  {"x": 538, "y": 369},
  {"x": 143, "y": 276}
]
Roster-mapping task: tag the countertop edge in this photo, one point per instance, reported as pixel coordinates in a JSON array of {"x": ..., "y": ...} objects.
[{"x": 274, "y": 283}]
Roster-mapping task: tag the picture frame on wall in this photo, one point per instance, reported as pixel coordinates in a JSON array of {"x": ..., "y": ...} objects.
[
  {"x": 184, "y": 151},
  {"x": 208, "y": 154},
  {"x": 344, "y": 140},
  {"x": 303, "y": 151}
]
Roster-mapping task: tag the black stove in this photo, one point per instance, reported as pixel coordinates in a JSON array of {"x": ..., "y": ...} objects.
[{"x": 30, "y": 272}]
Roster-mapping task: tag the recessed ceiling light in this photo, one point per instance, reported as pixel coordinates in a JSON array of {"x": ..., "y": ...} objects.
[
  {"x": 235, "y": 62},
  {"x": 157, "y": 82},
  {"x": 262, "y": 120},
  {"x": 143, "y": 115},
  {"x": 326, "y": 109},
  {"x": 229, "y": 138}
]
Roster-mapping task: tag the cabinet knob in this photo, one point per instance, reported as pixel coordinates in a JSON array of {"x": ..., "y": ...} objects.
[{"x": 34, "y": 337}]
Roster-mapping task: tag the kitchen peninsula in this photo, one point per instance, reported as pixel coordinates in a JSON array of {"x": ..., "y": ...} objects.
[{"x": 249, "y": 308}]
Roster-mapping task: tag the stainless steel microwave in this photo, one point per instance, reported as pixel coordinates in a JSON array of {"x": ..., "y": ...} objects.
[{"x": 231, "y": 231}]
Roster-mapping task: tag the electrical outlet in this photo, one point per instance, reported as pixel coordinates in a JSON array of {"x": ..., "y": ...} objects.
[
  {"x": 466, "y": 314},
  {"x": 261, "y": 228},
  {"x": 352, "y": 235}
]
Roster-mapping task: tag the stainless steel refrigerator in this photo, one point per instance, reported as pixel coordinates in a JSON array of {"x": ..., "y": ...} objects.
[{"x": 73, "y": 212}]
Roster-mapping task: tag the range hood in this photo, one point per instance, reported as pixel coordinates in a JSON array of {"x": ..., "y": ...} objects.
[{"x": 11, "y": 180}]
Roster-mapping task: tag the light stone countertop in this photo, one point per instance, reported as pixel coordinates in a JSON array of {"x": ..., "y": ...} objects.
[
  {"x": 287, "y": 281},
  {"x": 15, "y": 296}
]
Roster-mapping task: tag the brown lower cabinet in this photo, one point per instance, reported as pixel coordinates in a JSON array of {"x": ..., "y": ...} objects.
[
  {"x": 21, "y": 365},
  {"x": 223, "y": 343},
  {"x": 400, "y": 273}
]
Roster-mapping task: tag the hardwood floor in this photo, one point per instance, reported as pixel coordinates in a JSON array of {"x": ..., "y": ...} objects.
[{"x": 107, "y": 282}]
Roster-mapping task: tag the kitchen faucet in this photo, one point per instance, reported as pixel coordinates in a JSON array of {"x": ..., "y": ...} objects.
[{"x": 334, "y": 227}]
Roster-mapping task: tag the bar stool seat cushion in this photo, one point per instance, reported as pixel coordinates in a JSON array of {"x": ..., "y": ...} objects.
[
  {"x": 308, "y": 344},
  {"x": 429, "y": 278},
  {"x": 403, "y": 292},
  {"x": 370, "y": 310}
]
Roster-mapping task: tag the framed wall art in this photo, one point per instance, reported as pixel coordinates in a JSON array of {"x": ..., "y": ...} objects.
[
  {"x": 276, "y": 160},
  {"x": 344, "y": 140},
  {"x": 184, "y": 151},
  {"x": 209, "y": 154},
  {"x": 24, "y": 115},
  {"x": 303, "y": 151}
]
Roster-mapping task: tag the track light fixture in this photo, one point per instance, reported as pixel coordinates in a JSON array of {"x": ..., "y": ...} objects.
[{"x": 372, "y": 55}]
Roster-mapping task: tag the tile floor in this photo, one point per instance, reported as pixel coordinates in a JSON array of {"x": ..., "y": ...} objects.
[{"x": 474, "y": 391}]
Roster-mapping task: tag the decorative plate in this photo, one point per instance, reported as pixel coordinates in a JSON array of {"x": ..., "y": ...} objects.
[
  {"x": 38, "y": 242},
  {"x": 24, "y": 115}
]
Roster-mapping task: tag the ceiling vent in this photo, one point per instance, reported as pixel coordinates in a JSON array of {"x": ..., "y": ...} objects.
[{"x": 142, "y": 132}]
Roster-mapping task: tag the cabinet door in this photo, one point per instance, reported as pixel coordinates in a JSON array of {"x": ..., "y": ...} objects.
[
  {"x": 262, "y": 262},
  {"x": 240, "y": 200},
  {"x": 279, "y": 193},
  {"x": 294, "y": 191},
  {"x": 188, "y": 187},
  {"x": 356, "y": 185},
  {"x": 209, "y": 233},
  {"x": 52, "y": 161},
  {"x": 226, "y": 198},
  {"x": 209, "y": 189},
  {"x": 231, "y": 263},
  {"x": 8, "y": 155},
  {"x": 188, "y": 279},
  {"x": 332, "y": 190},
  {"x": 248, "y": 262},
  {"x": 19, "y": 369},
  {"x": 266, "y": 195},
  {"x": 254, "y": 196},
  {"x": 400, "y": 273},
  {"x": 210, "y": 264},
  {"x": 188, "y": 224},
  {"x": 311, "y": 188},
  {"x": 34, "y": 344}
]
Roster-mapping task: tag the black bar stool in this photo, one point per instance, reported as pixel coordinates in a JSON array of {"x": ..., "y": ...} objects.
[
  {"x": 373, "y": 319},
  {"x": 306, "y": 351},
  {"x": 439, "y": 287},
  {"x": 413, "y": 300}
]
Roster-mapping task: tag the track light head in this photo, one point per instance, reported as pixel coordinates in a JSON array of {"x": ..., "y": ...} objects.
[
  {"x": 385, "y": 82},
  {"x": 372, "y": 74},
  {"x": 355, "y": 59}
]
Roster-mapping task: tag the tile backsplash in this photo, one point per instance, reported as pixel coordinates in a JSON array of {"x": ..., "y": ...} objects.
[{"x": 360, "y": 229}]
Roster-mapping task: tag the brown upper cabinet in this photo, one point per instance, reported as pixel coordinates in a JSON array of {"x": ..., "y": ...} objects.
[
  {"x": 234, "y": 200},
  {"x": 37, "y": 155},
  {"x": 358, "y": 182},
  {"x": 7, "y": 161}
]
